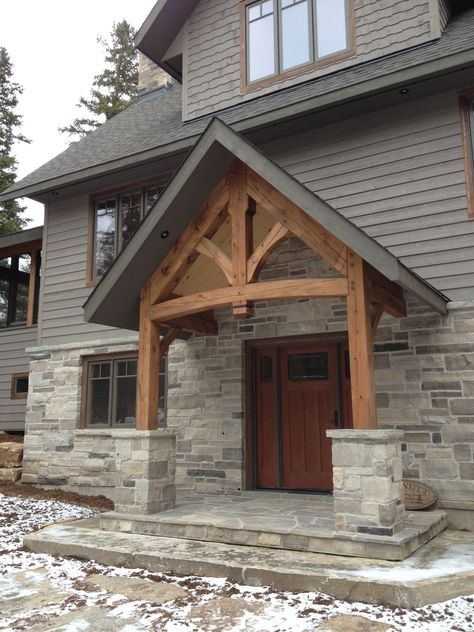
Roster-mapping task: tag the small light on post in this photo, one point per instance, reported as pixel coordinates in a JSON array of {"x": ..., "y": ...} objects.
[
  {"x": 404, "y": 90},
  {"x": 165, "y": 234}
]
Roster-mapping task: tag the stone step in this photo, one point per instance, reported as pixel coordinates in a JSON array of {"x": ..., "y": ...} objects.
[
  {"x": 441, "y": 570},
  {"x": 255, "y": 530}
]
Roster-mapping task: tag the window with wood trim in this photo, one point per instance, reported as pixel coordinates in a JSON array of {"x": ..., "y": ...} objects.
[
  {"x": 19, "y": 287},
  {"x": 19, "y": 386},
  {"x": 284, "y": 35},
  {"x": 115, "y": 219},
  {"x": 467, "y": 119},
  {"x": 110, "y": 390}
]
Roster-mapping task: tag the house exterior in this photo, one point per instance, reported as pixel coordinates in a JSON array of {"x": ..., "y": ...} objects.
[{"x": 270, "y": 252}]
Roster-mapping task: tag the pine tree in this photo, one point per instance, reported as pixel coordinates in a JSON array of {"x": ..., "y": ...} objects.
[
  {"x": 10, "y": 212},
  {"x": 115, "y": 88}
]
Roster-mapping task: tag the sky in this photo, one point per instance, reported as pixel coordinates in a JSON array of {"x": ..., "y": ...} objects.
[{"x": 54, "y": 51}]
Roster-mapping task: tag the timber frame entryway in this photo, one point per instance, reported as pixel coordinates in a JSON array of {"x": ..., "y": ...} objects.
[
  {"x": 223, "y": 233},
  {"x": 296, "y": 389}
]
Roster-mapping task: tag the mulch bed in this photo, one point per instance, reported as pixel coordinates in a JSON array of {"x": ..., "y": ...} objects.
[{"x": 99, "y": 503}]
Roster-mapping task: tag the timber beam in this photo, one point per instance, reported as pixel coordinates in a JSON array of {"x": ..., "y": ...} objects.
[
  {"x": 384, "y": 292},
  {"x": 209, "y": 249},
  {"x": 206, "y": 326},
  {"x": 168, "y": 340},
  {"x": 269, "y": 291},
  {"x": 241, "y": 211},
  {"x": 273, "y": 239},
  {"x": 183, "y": 254},
  {"x": 326, "y": 245}
]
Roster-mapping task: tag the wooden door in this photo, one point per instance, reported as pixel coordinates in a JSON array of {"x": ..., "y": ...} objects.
[
  {"x": 309, "y": 407},
  {"x": 300, "y": 392}
]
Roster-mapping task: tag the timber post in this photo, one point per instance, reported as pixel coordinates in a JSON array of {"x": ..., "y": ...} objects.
[{"x": 148, "y": 365}]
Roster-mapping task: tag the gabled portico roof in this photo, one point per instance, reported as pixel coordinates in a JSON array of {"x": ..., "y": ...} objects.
[{"x": 116, "y": 299}]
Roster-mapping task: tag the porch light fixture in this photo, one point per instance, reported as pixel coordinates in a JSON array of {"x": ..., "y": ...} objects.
[
  {"x": 165, "y": 234},
  {"x": 404, "y": 90}
]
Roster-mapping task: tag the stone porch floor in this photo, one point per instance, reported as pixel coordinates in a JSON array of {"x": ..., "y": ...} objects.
[{"x": 298, "y": 522}]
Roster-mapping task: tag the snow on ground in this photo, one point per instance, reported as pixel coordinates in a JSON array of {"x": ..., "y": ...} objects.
[{"x": 42, "y": 592}]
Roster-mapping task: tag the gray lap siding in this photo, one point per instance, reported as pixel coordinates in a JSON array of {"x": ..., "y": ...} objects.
[
  {"x": 398, "y": 174},
  {"x": 13, "y": 359}
]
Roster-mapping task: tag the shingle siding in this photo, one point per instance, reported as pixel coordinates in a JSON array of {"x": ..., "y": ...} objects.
[
  {"x": 213, "y": 48},
  {"x": 13, "y": 359},
  {"x": 398, "y": 174}
]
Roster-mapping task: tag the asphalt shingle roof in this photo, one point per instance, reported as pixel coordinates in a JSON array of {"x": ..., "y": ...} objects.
[{"x": 156, "y": 122}]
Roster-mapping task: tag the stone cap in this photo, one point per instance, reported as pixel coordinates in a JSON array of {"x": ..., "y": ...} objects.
[
  {"x": 365, "y": 436},
  {"x": 125, "y": 433}
]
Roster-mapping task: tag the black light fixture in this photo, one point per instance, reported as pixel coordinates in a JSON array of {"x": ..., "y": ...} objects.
[
  {"x": 165, "y": 234},
  {"x": 404, "y": 90},
  {"x": 54, "y": 193}
]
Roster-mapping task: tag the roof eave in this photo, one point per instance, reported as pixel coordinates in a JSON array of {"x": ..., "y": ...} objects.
[
  {"x": 162, "y": 26},
  {"x": 207, "y": 163}
]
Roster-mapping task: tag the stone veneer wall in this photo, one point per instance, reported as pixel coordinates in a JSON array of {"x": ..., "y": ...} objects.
[
  {"x": 425, "y": 387},
  {"x": 424, "y": 374},
  {"x": 150, "y": 76},
  {"x": 51, "y": 454}
]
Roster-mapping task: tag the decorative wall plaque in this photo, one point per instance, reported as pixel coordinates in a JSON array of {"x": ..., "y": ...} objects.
[{"x": 418, "y": 496}]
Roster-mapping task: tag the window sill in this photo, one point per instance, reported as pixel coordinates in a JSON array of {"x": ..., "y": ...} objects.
[{"x": 124, "y": 433}]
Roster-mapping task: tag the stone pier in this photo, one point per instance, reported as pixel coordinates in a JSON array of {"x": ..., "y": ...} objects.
[
  {"x": 368, "y": 492},
  {"x": 140, "y": 465}
]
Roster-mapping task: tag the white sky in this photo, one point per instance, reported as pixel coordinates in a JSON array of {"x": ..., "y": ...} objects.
[{"x": 53, "y": 47}]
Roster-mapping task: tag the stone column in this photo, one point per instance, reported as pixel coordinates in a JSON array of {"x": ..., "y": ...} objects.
[
  {"x": 367, "y": 470},
  {"x": 145, "y": 469}
]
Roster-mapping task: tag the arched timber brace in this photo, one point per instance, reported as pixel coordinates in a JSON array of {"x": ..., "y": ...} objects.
[{"x": 234, "y": 198}]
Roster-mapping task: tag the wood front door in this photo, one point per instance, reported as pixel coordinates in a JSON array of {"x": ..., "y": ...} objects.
[{"x": 300, "y": 392}]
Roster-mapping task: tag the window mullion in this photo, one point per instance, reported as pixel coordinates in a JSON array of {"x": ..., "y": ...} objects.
[
  {"x": 277, "y": 35},
  {"x": 118, "y": 227},
  {"x": 111, "y": 392},
  {"x": 312, "y": 29},
  {"x": 314, "y": 24}
]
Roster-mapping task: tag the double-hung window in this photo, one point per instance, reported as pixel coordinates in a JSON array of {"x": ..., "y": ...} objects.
[
  {"x": 282, "y": 35},
  {"x": 116, "y": 218},
  {"x": 110, "y": 390}
]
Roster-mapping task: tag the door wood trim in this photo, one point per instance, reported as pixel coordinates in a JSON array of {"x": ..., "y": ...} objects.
[{"x": 339, "y": 339}]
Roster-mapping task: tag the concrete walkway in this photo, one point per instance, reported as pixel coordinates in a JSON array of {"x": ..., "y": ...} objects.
[{"x": 441, "y": 570}]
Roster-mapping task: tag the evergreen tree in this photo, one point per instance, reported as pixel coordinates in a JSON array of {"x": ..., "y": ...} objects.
[
  {"x": 115, "y": 88},
  {"x": 10, "y": 212}
]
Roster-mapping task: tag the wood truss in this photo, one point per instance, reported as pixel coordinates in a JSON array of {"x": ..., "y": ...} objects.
[{"x": 237, "y": 196}]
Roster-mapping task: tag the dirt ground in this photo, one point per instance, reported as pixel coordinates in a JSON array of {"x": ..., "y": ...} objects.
[
  {"x": 10, "y": 438},
  {"x": 99, "y": 503}
]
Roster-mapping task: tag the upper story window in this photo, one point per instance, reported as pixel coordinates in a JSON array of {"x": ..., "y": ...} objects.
[
  {"x": 283, "y": 35},
  {"x": 467, "y": 119},
  {"x": 116, "y": 218},
  {"x": 19, "y": 288}
]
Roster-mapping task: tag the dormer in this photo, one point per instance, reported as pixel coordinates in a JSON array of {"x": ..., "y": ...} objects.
[{"x": 226, "y": 52}]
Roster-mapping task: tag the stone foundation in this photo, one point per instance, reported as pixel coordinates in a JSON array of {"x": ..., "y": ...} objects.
[{"x": 368, "y": 492}]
